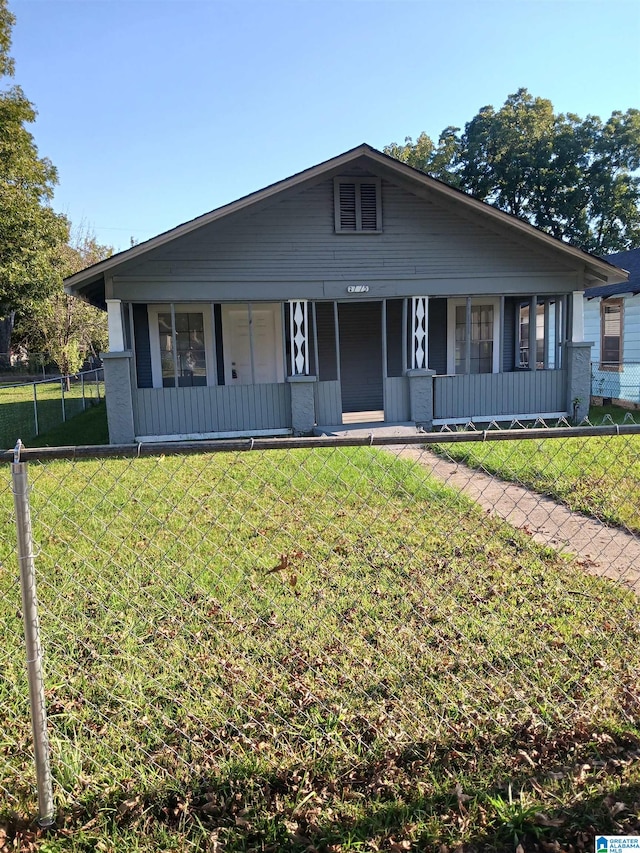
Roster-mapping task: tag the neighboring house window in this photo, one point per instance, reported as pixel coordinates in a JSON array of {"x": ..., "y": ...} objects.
[
  {"x": 181, "y": 341},
  {"x": 473, "y": 336},
  {"x": 357, "y": 205},
  {"x": 611, "y": 333}
]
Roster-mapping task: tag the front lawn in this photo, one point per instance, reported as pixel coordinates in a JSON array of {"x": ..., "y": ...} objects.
[
  {"x": 311, "y": 650},
  {"x": 599, "y": 476},
  {"x": 35, "y": 408}
]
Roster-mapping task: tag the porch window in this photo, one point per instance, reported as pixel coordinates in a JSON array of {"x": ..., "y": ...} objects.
[
  {"x": 611, "y": 333},
  {"x": 524, "y": 338},
  {"x": 181, "y": 345},
  {"x": 182, "y": 348},
  {"x": 546, "y": 334},
  {"x": 357, "y": 205},
  {"x": 478, "y": 339}
]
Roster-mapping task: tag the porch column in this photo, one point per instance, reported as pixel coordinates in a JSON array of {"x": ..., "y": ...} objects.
[
  {"x": 299, "y": 336},
  {"x": 421, "y": 396},
  {"x": 303, "y": 405},
  {"x": 420, "y": 332},
  {"x": 577, "y": 316},
  {"x": 115, "y": 325},
  {"x": 303, "y": 409},
  {"x": 118, "y": 393},
  {"x": 578, "y": 365}
]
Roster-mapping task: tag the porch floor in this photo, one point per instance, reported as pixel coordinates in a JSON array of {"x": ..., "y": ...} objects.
[{"x": 371, "y": 428}]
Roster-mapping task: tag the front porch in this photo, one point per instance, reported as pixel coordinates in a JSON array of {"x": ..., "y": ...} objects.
[
  {"x": 216, "y": 371},
  {"x": 253, "y": 410}
]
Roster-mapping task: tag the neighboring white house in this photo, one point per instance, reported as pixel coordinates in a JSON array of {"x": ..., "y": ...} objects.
[{"x": 612, "y": 322}]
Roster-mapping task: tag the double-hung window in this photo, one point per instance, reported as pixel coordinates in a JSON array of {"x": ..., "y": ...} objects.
[
  {"x": 611, "y": 333},
  {"x": 546, "y": 334},
  {"x": 181, "y": 338},
  {"x": 474, "y": 333}
]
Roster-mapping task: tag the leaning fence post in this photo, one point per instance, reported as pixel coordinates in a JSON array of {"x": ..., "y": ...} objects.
[{"x": 30, "y": 621}]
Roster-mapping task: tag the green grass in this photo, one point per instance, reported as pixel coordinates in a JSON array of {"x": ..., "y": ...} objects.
[
  {"x": 87, "y": 428},
  {"x": 311, "y": 650},
  {"x": 617, "y": 414},
  {"x": 598, "y": 476},
  {"x": 17, "y": 410}
]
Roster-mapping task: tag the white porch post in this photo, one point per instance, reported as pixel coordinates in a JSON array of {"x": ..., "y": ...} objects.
[
  {"x": 420, "y": 334},
  {"x": 419, "y": 376},
  {"x": 115, "y": 325},
  {"x": 118, "y": 379},
  {"x": 299, "y": 335},
  {"x": 303, "y": 408},
  {"x": 577, "y": 316}
]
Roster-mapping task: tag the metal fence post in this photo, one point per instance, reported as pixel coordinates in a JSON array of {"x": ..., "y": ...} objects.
[
  {"x": 35, "y": 408},
  {"x": 84, "y": 401},
  {"x": 31, "y": 624}
]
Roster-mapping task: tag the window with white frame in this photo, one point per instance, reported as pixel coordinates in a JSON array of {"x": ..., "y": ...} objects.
[
  {"x": 473, "y": 336},
  {"x": 611, "y": 333},
  {"x": 181, "y": 345},
  {"x": 357, "y": 205},
  {"x": 546, "y": 320}
]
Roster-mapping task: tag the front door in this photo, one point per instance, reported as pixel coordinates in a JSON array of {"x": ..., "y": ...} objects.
[
  {"x": 258, "y": 334},
  {"x": 360, "y": 329}
]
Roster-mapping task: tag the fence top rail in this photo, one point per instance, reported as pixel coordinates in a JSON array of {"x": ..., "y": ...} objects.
[
  {"x": 59, "y": 377},
  {"x": 107, "y": 451}
]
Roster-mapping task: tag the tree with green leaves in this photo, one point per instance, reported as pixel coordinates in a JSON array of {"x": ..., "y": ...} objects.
[
  {"x": 62, "y": 327},
  {"x": 30, "y": 231},
  {"x": 573, "y": 178}
]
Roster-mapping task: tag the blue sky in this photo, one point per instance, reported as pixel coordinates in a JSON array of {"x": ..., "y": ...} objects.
[{"x": 156, "y": 111}]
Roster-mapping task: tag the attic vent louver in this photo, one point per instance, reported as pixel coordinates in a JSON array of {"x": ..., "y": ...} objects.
[
  {"x": 347, "y": 207},
  {"x": 358, "y": 205}
]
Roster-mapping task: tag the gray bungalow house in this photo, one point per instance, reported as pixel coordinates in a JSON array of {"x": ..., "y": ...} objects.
[{"x": 358, "y": 290}]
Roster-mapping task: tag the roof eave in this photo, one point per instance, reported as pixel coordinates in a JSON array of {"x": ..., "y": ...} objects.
[{"x": 596, "y": 268}]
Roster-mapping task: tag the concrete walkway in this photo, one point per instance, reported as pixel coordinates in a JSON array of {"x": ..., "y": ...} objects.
[{"x": 599, "y": 549}]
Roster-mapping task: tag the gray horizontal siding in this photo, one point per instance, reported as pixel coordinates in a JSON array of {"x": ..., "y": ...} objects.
[
  {"x": 179, "y": 411},
  {"x": 491, "y": 394},
  {"x": 293, "y": 241},
  {"x": 396, "y": 399}
]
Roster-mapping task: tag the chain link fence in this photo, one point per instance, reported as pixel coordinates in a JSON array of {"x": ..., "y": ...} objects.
[
  {"x": 617, "y": 384},
  {"x": 325, "y": 644},
  {"x": 33, "y": 408}
]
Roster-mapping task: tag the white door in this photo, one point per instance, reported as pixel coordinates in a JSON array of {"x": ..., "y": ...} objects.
[{"x": 263, "y": 336}]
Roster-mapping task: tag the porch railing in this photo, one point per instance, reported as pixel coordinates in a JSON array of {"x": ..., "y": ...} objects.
[{"x": 485, "y": 395}]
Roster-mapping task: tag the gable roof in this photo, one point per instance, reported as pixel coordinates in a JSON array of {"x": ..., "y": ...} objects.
[
  {"x": 90, "y": 283},
  {"x": 629, "y": 261}
]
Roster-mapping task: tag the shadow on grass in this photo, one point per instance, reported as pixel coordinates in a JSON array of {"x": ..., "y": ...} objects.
[
  {"x": 416, "y": 798},
  {"x": 87, "y": 428}
]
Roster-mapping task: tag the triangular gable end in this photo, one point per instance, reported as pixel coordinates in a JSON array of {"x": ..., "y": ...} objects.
[{"x": 363, "y": 160}]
